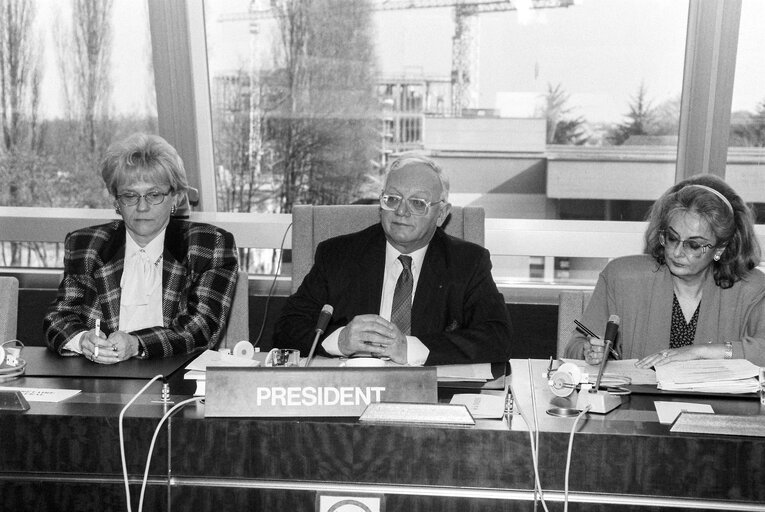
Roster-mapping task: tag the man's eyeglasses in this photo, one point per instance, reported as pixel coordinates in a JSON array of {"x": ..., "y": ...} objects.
[
  {"x": 671, "y": 241},
  {"x": 131, "y": 198},
  {"x": 416, "y": 205}
]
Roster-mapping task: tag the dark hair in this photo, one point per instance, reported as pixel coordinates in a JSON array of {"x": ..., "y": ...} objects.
[
  {"x": 146, "y": 156},
  {"x": 727, "y": 215}
]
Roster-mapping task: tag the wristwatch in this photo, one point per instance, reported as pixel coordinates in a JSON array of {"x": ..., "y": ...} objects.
[{"x": 728, "y": 350}]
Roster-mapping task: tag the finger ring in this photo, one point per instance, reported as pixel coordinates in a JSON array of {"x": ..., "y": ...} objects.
[
  {"x": 665, "y": 354},
  {"x": 114, "y": 347}
]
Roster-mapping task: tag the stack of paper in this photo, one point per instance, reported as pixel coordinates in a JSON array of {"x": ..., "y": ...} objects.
[
  {"x": 478, "y": 372},
  {"x": 619, "y": 370},
  {"x": 709, "y": 376},
  {"x": 197, "y": 368}
]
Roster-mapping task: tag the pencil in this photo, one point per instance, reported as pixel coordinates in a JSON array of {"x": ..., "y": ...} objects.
[{"x": 583, "y": 329}]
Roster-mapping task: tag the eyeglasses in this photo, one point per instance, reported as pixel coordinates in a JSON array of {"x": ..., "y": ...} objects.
[
  {"x": 416, "y": 205},
  {"x": 691, "y": 247},
  {"x": 131, "y": 198}
]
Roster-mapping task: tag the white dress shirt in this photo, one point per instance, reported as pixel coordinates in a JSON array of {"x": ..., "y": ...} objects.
[
  {"x": 416, "y": 351},
  {"x": 141, "y": 298}
]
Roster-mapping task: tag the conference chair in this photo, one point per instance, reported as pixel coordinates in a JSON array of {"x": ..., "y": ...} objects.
[
  {"x": 238, "y": 327},
  {"x": 9, "y": 308},
  {"x": 571, "y": 305},
  {"x": 314, "y": 224}
]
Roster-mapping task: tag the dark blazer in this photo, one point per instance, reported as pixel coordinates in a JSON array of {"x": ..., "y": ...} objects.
[
  {"x": 199, "y": 273},
  {"x": 458, "y": 313}
]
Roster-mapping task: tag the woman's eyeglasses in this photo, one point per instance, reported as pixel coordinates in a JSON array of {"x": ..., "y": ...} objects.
[
  {"x": 671, "y": 241},
  {"x": 152, "y": 198}
]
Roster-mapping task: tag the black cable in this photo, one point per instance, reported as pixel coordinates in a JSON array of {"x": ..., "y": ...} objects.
[{"x": 273, "y": 284}]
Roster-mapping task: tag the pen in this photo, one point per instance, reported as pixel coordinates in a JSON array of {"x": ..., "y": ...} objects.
[{"x": 584, "y": 330}]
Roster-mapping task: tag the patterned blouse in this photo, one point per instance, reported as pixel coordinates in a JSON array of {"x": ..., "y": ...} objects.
[{"x": 681, "y": 334}]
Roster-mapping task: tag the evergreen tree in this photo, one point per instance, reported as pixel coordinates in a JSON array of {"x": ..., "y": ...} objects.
[
  {"x": 562, "y": 128},
  {"x": 641, "y": 119}
]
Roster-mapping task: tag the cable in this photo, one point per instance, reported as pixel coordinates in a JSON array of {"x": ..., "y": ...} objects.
[
  {"x": 568, "y": 456},
  {"x": 154, "y": 439},
  {"x": 122, "y": 437},
  {"x": 273, "y": 284},
  {"x": 534, "y": 453},
  {"x": 536, "y": 439}
]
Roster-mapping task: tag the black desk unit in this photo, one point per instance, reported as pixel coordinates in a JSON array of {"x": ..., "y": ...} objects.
[{"x": 65, "y": 456}]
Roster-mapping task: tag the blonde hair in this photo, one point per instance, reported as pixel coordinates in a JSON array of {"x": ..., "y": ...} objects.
[{"x": 146, "y": 156}]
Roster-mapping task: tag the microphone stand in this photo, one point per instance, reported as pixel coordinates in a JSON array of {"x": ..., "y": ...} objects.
[
  {"x": 313, "y": 348},
  {"x": 599, "y": 401}
]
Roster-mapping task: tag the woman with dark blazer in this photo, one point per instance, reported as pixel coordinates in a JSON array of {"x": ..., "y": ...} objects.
[{"x": 148, "y": 285}]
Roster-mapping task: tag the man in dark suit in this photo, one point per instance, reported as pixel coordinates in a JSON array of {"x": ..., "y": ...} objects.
[{"x": 402, "y": 289}]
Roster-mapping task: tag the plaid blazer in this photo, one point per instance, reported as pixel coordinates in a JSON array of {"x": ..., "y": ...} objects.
[{"x": 199, "y": 273}]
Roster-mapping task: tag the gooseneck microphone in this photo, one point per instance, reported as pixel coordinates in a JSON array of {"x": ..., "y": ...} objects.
[
  {"x": 612, "y": 329},
  {"x": 321, "y": 325}
]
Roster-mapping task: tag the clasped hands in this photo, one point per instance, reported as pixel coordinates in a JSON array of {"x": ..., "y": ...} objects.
[
  {"x": 372, "y": 335},
  {"x": 118, "y": 346}
]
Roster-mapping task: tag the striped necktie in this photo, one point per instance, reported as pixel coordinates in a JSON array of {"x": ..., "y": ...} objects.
[{"x": 401, "y": 311}]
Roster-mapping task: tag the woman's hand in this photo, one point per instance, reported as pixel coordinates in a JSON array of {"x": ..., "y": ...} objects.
[
  {"x": 119, "y": 346},
  {"x": 124, "y": 345},
  {"x": 679, "y": 354},
  {"x": 89, "y": 343},
  {"x": 593, "y": 351}
]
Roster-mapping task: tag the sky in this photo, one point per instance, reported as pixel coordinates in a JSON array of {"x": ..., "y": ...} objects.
[{"x": 599, "y": 51}]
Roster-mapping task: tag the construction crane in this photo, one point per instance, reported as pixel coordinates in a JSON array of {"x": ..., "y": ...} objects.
[{"x": 464, "y": 72}]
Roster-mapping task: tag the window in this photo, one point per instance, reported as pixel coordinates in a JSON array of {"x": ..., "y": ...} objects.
[
  {"x": 77, "y": 80},
  {"x": 746, "y": 153}
]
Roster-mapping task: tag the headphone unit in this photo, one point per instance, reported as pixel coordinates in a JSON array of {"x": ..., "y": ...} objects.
[{"x": 11, "y": 365}]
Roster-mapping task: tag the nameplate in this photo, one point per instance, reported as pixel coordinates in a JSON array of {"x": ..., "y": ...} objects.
[
  {"x": 720, "y": 424},
  {"x": 423, "y": 414},
  {"x": 301, "y": 392}
]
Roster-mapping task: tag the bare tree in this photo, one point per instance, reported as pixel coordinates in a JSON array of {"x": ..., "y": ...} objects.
[
  {"x": 84, "y": 50},
  {"x": 19, "y": 73},
  {"x": 19, "y": 106},
  {"x": 322, "y": 131}
]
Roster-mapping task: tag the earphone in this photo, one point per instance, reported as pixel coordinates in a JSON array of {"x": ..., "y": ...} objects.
[{"x": 565, "y": 379}]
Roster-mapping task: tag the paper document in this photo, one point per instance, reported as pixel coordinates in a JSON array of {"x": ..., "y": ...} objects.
[
  {"x": 44, "y": 394},
  {"x": 668, "y": 411},
  {"x": 709, "y": 375},
  {"x": 212, "y": 358},
  {"x": 479, "y": 372},
  {"x": 482, "y": 406},
  {"x": 621, "y": 368}
]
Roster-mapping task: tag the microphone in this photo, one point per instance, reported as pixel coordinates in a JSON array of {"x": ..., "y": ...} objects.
[
  {"x": 321, "y": 325},
  {"x": 612, "y": 329},
  {"x": 595, "y": 400}
]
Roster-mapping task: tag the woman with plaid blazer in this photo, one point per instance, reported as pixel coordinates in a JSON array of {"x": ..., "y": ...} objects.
[{"x": 148, "y": 285}]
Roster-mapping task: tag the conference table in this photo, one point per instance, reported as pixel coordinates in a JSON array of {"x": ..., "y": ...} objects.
[{"x": 66, "y": 455}]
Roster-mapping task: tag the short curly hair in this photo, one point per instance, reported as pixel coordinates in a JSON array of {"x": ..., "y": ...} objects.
[
  {"x": 144, "y": 156},
  {"x": 729, "y": 217}
]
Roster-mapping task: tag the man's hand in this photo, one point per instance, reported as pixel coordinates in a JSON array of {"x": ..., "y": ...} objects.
[{"x": 375, "y": 336}]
